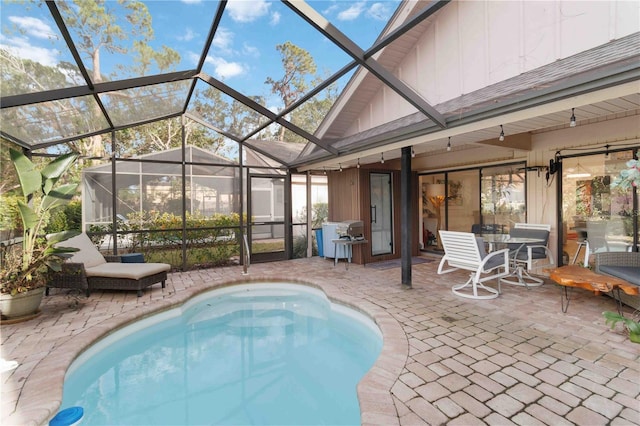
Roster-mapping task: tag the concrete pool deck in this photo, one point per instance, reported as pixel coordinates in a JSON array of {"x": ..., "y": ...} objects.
[{"x": 516, "y": 359}]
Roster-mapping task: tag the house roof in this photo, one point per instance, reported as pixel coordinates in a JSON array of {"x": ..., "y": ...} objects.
[{"x": 610, "y": 64}]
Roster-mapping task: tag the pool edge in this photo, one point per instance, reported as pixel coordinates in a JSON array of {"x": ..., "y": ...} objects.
[{"x": 373, "y": 391}]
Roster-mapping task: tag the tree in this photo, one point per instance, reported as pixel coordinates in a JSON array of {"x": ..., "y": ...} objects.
[
  {"x": 96, "y": 26},
  {"x": 298, "y": 66},
  {"x": 157, "y": 137},
  {"x": 309, "y": 115}
]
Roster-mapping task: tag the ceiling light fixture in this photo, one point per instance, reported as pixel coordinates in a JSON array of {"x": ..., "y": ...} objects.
[
  {"x": 358, "y": 166},
  {"x": 572, "y": 120},
  {"x": 382, "y": 158},
  {"x": 340, "y": 166},
  {"x": 579, "y": 172},
  {"x": 449, "y": 144},
  {"x": 325, "y": 170},
  {"x": 501, "y": 138},
  {"x": 413, "y": 153}
]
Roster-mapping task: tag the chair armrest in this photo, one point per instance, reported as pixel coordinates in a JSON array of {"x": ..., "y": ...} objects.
[{"x": 539, "y": 246}]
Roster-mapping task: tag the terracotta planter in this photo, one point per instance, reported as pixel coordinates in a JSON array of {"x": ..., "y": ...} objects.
[{"x": 22, "y": 304}]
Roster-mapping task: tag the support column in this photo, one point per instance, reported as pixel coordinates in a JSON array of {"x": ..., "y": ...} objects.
[{"x": 405, "y": 215}]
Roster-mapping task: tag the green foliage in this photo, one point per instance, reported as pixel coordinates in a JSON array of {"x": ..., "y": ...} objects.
[
  {"x": 42, "y": 192},
  {"x": 632, "y": 325},
  {"x": 300, "y": 247},
  {"x": 9, "y": 214},
  {"x": 319, "y": 214},
  {"x": 299, "y": 73},
  {"x": 210, "y": 241},
  {"x": 65, "y": 219}
]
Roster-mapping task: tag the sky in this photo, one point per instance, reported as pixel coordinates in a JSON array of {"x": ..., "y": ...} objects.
[{"x": 244, "y": 51}]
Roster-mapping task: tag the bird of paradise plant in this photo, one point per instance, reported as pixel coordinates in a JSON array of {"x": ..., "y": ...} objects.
[{"x": 26, "y": 267}]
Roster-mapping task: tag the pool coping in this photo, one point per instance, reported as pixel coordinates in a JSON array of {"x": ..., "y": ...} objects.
[{"x": 44, "y": 386}]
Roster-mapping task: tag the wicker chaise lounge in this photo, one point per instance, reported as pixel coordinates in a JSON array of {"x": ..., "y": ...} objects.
[
  {"x": 87, "y": 269},
  {"x": 624, "y": 265}
]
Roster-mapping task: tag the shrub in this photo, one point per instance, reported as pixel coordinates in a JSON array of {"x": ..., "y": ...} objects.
[{"x": 210, "y": 241}]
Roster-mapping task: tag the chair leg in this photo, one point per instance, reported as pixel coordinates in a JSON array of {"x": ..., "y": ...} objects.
[
  {"x": 581, "y": 244},
  {"x": 163, "y": 284},
  {"x": 586, "y": 254},
  {"x": 493, "y": 293}
]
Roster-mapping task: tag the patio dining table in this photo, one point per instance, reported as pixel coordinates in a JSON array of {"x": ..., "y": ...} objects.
[{"x": 519, "y": 273}]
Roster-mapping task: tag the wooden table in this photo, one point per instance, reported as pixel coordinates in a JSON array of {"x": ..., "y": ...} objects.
[{"x": 577, "y": 276}]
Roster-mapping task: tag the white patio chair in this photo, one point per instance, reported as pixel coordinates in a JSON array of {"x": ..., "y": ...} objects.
[
  {"x": 463, "y": 250},
  {"x": 529, "y": 256}
]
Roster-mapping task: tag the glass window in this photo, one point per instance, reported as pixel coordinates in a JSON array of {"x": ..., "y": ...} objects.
[
  {"x": 596, "y": 218},
  {"x": 503, "y": 198},
  {"x": 433, "y": 210},
  {"x": 482, "y": 200}
]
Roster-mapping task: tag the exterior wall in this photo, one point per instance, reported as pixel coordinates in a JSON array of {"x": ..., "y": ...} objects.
[
  {"x": 349, "y": 199},
  {"x": 473, "y": 44},
  {"x": 542, "y": 204},
  {"x": 344, "y": 193}
]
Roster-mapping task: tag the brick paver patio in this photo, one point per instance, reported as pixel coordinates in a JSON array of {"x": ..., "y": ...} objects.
[{"x": 516, "y": 359}]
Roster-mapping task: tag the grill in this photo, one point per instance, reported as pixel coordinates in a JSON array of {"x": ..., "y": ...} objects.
[{"x": 351, "y": 230}]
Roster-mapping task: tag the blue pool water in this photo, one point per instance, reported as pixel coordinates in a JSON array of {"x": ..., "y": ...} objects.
[{"x": 260, "y": 354}]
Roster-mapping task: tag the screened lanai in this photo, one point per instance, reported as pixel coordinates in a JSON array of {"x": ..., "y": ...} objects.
[
  {"x": 152, "y": 187},
  {"x": 292, "y": 90}
]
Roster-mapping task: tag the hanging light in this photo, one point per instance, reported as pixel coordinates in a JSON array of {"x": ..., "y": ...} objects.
[
  {"x": 340, "y": 166},
  {"x": 572, "y": 120},
  {"x": 579, "y": 172},
  {"x": 413, "y": 153},
  {"x": 358, "y": 166},
  {"x": 501, "y": 138},
  {"x": 382, "y": 158},
  {"x": 449, "y": 144},
  {"x": 325, "y": 170}
]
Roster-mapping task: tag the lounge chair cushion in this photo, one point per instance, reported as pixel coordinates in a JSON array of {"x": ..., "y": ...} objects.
[
  {"x": 627, "y": 273},
  {"x": 134, "y": 271},
  {"x": 88, "y": 253}
]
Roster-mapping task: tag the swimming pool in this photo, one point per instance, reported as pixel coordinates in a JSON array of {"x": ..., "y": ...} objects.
[{"x": 245, "y": 354}]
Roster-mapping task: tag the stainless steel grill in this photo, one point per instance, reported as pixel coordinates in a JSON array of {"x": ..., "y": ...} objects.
[{"x": 351, "y": 229}]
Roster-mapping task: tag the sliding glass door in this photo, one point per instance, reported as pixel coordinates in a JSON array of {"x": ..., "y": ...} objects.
[
  {"x": 381, "y": 214},
  {"x": 596, "y": 217}
]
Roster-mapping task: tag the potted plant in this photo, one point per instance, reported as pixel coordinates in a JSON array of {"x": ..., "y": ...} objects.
[
  {"x": 26, "y": 265},
  {"x": 632, "y": 325}
]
